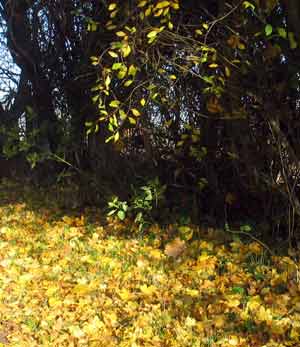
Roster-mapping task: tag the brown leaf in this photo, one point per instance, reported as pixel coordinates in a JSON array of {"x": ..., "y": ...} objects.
[{"x": 175, "y": 248}]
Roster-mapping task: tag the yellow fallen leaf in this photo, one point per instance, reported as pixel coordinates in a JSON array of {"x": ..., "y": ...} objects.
[
  {"x": 93, "y": 326},
  {"x": 148, "y": 290},
  {"x": 110, "y": 319},
  {"x": 82, "y": 289},
  {"x": 156, "y": 254},
  {"x": 125, "y": 294},
  {"x": 76, "y": 331},
  {"x": 219, "y": 321},
  {"x": 192, "y": 292},
  {"x": 53, "y": 302},
  {"x": 233, "y": 340}
]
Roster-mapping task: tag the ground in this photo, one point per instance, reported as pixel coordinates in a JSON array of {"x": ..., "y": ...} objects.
[{"x": 74, "y": 279}]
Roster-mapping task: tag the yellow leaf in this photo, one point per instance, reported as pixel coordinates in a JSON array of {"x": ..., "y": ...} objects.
[
  {"x": 148, "y": 290},
  {"x": 186, "y": 232},
  {"x": 122, "y": 114},
  {"x": 132, "y": 120},
  {"x": 112, "y": 6},
  {"x": 126, "y": 50},
  {"x": 120, "y": 34},
  {"x": 110, "y": 319},
  {"x": 175, "y": 6},
  {"x": 76, "y": 332},
  {"x": 82, "y": 289},
  {"x": 107, "y": 81},
  {"x": 219, "y": 321},
  {"x": 135, "y": 112},
  {"x": 117, "y": 136},
  {"x": 292, "y": 40},
  {"x": 194, "y": 293},
  {"x": 158, "y": 13},
  {"x": 125, "y": 294},
  {"x": 148, "y": 11},
  {"x": 227, "y": 71},
  {"x": 142, "y": 3},
  {"x": 172, "y": 77},
  {"x": 113, "y": 54},
  {"x": 170, "y": 25},
  {"x": 233, "y": 303},
  {"x": 51, "y": 290},
  {"x": 152, "y": 34},
  {"x": 132, "y": 70},
  {"x": 128, "y": 83},
  {"x": 156, "y": 254},
  {"x": 241, "y": 46},
  {"x": 94, "y": 326},
  {"x": 122, "y": 73},
  {"x": 143, "y": 102},
  {"x": 233, "y": 340},
  {"x": 54, "y": 302},
  {"x": 114, "y": 103},
  {"x": 162, "y": 4},
  {"x": 213, "y": 66}
]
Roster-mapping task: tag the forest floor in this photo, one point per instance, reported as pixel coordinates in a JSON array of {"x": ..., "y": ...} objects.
[{"x": 70, "y": 279}]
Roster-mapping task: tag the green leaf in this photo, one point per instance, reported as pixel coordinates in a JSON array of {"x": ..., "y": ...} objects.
[
  {"x": 282, "y": 33},
  {"x": 268, "y": 29},
  {"x": 246, "y": 228},
  {"x": 117, "y": 66},
  {"x": 121, "y": 215},
  {"x": 95, "y": 98},
  {"x": 122, "y": 114},
  {"x": 122, "y": 73}
]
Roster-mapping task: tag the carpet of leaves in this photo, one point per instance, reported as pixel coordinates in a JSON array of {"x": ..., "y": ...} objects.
[{"x": 65, "y": 281}]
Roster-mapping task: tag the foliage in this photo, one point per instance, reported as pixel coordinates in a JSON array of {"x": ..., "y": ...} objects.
[
  {"x": 202, "y": 85},
  {"x": 144, "y": 200},
  {"x": 202, "y": 94}
]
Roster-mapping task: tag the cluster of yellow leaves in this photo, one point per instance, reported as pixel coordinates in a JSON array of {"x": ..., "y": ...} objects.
[
  {"x": 115, "y": 62},
  {"x": 65, "y": 282}
]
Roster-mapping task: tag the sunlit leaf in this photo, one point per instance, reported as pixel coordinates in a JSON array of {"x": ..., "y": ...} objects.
[
  {"x": 113, "y": 54},
  {"x": 112, "y": 6},
  {"x": 268, "y": 29}
]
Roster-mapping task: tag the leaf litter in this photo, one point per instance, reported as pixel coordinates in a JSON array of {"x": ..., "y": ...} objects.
[{"x": 67, "y": 282}]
